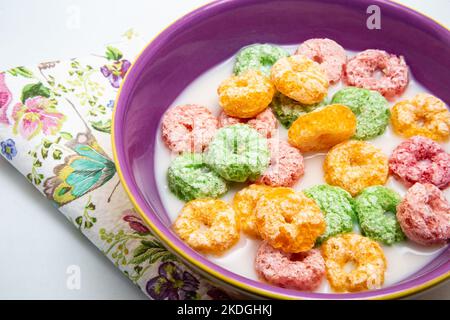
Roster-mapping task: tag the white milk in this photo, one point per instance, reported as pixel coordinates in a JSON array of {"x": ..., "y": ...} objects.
[{"x": 403, "y": 259}]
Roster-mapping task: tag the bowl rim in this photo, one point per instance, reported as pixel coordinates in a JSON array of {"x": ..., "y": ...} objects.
[{"x": 164, "y": 236}]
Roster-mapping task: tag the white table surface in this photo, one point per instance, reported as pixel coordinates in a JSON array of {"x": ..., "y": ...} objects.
[{"x": 37, "y": 244}]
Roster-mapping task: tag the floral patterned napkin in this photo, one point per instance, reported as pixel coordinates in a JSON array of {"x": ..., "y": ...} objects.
[{"x": 55, "y": 122}]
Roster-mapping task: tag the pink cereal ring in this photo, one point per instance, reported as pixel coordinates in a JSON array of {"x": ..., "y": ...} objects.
[
  {"x": 361, "y": 71},
  {"x": 286, "y": 165},
  {"x": 424, "y": 215},
  {"x": 328, "y": 53},
  {"x": 421, "y": 159},
  {"x": 188, "y": 128},
  {"x": 301, "y": 271},
  {"x": 265, "y": 122}
]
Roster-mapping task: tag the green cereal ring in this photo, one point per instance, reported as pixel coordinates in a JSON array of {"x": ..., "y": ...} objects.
[
  {"x": 288, "y": 110},
  {"x": 337, "y": 205},
  {"x": 238, "y": 153},
  {"x": 371, "y": 110},
  {"x": 376, "y": 207},
  {"x": 258, "y": 57},
  {"x": 190, "y": 178}
]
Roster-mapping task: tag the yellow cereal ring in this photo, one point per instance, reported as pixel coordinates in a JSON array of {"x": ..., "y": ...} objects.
[
  {"x": 323, "y": 128},
  {"x": 244, "y": 204},
  {"x": 245, "y": 95},
  {"x": 354, "y": 165},
  {"x": 289, "y": 220},
  {"x": 366, "y": 256},
  {"x": 423, "y": 115},
  {"x": 208, "y": 225},
  {"x": 300, "y": 79}
]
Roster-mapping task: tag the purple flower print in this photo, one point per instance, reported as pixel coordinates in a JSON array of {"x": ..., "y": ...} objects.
[
  {"x": 217, "y": 294},
  {"x": 8, "y": 148},
  {"x": 135, "y": 222},
  {"x": 116, "y": 71},
  {"x": 110, "y": 104},
  {"x": 172, "y": 284}
]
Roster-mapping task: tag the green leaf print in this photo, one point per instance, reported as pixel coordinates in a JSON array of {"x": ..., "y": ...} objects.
[
  {"x": 113, "y": 53},
  {"x": 150, "y": 251},
  {"x": 34, "y": 90},
  {"x": 20, "y": 71},
  {"x": 66, "y": 135},
  {"x": 102, "y": 126},
  {"x": 86, "y": 221}
]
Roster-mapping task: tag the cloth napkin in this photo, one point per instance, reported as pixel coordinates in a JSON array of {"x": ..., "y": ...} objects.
[{"x": 55, "y": 123}]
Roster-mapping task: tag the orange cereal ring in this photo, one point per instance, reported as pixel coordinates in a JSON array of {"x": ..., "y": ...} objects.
[
  {"x": 245, "y": 95},
  {"x": 354, "y": 165},
  {"x": 289, "y": 220},
  {"x": 322, "y": 128},
  {"x": 366, "y": 256},
  {"x": 244, "y": 204},
  {"x": 423, "y": 115},
  {"x": 300, "y": 78},
  {"x": 208, "y": 225}
]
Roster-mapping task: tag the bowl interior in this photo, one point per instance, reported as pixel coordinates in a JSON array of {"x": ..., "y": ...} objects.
[{"x": 212, "y": 34}]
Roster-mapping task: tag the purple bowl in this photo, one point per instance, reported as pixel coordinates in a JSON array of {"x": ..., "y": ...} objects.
[{"x": 211, "y": 34}]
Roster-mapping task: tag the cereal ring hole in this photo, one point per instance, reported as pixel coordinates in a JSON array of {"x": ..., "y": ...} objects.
[
  {"x": 188, "y": 126},
  {"x": 378, "y": 69},
  {"x": 289, "y": 211},
  {"x": 288, "y": 218},
  {"x": 388, "y": 208},
  {"x": 350, "y": 266},
  {"x": 266, "y": 62},
  {"x": 318, "y": 59},
  {"x": 425, "y": 162},
  {"x": 204, "y": 223},
  {"x": 298, "y": 257},
  {"x": 432, "y": 205},
  {"x": 389, "y": 213},
  {"x": 421, "y": 121},
  {"x": 378, "y": 74}
]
